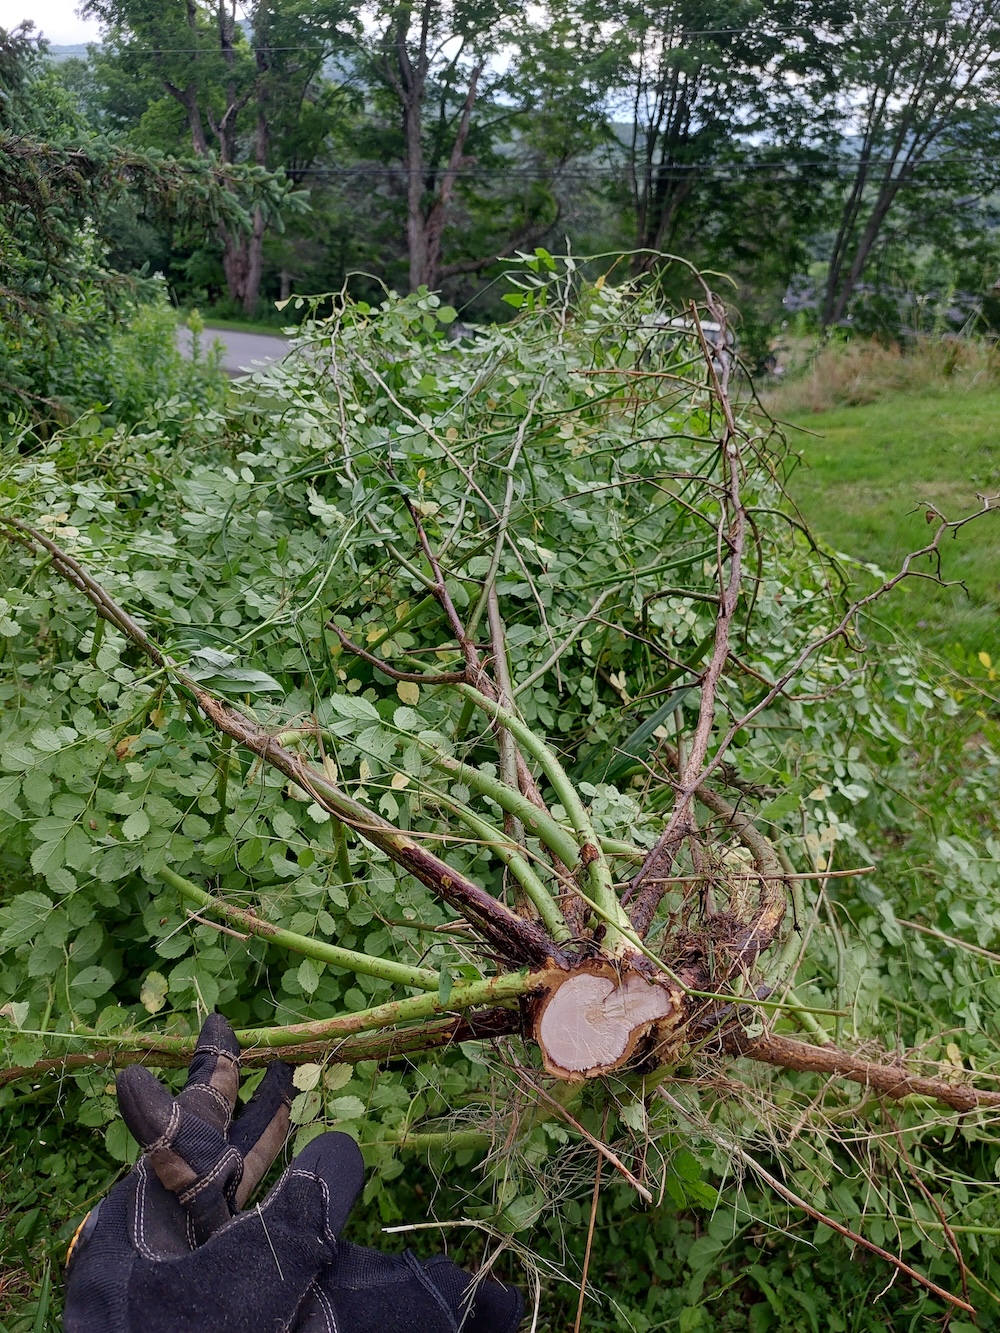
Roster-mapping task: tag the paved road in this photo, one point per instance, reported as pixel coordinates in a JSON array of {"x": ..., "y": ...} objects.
[{"x": 242, "y": 349}]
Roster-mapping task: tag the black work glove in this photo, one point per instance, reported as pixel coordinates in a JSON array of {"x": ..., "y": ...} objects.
[
  {"x": 366, "y": 1291},
  {"x": 167, "y": 1250}
]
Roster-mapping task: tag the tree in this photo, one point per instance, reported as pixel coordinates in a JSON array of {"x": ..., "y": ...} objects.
[
  {"x": 486, "y": 689},
  {"x": 246, "y": 89},
  {"x": 482, "y": 107},
  {"x": 919, "y": 84},
  {"x": 700, "y": 92},
  {"x": 59, "y": 186},
  {"x": 432, "y": 60}
]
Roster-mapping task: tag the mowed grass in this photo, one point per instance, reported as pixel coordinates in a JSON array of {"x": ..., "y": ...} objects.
[{"x": 866, "y": 476}]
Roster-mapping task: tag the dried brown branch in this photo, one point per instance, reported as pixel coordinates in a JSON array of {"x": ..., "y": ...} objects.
[
  {"x": 646, "y": 888},
  {"x": 418, "y": 677},
  {"x": 887, "y": 1080},
  {"x": 391, "y": 1045}
]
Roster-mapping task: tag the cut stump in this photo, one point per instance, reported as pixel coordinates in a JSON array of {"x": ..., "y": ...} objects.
[{"x": 590, "y": 1022}]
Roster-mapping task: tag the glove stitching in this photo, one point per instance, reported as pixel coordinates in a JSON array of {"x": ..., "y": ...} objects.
[
  {"x": 166, "y": 1138},
  {"x": 425, "y": 1281},
  {"x": 326, "y": 1306},
  {"x": 218, "y": 1050},
  {"x": 219, "y": 1099},
  {"x": 330, "y": 1236},
  {"x": 142, "y": 1169},
  {"x": 226, "y": 1160}
]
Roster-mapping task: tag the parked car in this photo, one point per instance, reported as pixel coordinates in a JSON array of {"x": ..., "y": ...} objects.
[{"x": 683, "y": 330}]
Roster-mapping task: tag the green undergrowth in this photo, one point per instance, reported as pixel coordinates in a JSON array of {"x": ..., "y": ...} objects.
[{"x": 236, "y": 534}]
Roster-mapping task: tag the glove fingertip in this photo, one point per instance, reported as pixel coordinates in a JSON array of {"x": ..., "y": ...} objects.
[
  {"x": 145, "y": 1104},
  {"x": 217, "y": 1034},
  {"x": 496, "y": 1308},
  {"x": 278, "y": 1081},
  {"x": 335, "y": 1159}
]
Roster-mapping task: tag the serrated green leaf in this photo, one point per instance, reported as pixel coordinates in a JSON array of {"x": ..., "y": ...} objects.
[
  {"x": 136, "y": 826},
  {"x": 91, "y": 983},
  {"x": 24, "y": 918},
  {"x": 346, "y": 1108},
  {"x": 353, "y": 707},
  {"x": 308, "y": 974}
]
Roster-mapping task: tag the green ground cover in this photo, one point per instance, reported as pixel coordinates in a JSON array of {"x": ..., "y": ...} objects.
[
  {"x": 274, "y": 325},
  {"x": 866, "y": 476}
]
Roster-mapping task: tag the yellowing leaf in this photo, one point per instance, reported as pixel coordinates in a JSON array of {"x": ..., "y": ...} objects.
[
  {"x": 600, "y": 282},
  {"x": 153, "y": 992},
  {"x": 336, "y": 1076},
  {"x": 399, "y": 781},
  {"x": 408, "y": 691},
  {"x": 306, "y": 1077},
  {"x": 986, "y": 660},
  {"x": 330, "y": 768}
]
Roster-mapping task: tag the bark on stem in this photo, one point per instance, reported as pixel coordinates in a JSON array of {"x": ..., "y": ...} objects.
[
  {"x": 893, "y": 1081},
  {"x": 374, "y": 1046},
  {"x": 649, "y": 884}
]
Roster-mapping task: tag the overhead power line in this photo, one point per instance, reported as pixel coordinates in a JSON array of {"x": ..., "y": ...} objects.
[
  {"x": 732, "y": 168},
  {"x": 682, "y": 34}
]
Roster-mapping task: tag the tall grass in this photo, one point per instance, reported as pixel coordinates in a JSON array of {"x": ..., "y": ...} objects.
[{"x": 856, "y": 373}]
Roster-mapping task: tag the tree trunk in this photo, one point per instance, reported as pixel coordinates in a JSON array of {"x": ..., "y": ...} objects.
[
  {"x": 243, "y": 263},
  {"x": 839, "y": 296},
  {"x": 436, "y": 215}
]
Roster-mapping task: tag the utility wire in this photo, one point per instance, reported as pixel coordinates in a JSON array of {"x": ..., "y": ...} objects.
[
  {"x": 931, "y": 23},
  {"x": 730, "y": 169}
]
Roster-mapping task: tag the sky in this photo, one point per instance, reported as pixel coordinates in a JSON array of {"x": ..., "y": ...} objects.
[{"x": 56, "y": 18}]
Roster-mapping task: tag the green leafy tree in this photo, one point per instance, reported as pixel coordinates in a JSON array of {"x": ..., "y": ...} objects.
[
  {"x": 699, "y": 91},
  {"x": 919, "y": 85},
  {"x": 250, "y": 90},
  {"x": 60, "y": 185},
  {"x": 482, "y": 108}
]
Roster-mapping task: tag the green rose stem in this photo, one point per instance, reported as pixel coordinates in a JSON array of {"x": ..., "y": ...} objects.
[
  {"x": 518, "y": 940},
  {"x": 509, "y": 854},
  {"x": 599, "y": 874},
  {"x": 349, "y": 959},
  {"x": 124, "y": 1050},
  {"x": 464, "y": 995},
  {"x": 557, "y": 839},
  {"x": 536, "y": 821}
]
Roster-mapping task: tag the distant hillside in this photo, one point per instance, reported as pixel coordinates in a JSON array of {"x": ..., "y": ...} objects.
[{"x": 78, "y": 51}]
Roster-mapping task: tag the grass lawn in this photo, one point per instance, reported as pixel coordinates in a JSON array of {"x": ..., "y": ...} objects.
[
  {"x": 862, "y": 485},
  {"x": 275, "y": 328}
]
